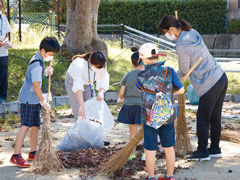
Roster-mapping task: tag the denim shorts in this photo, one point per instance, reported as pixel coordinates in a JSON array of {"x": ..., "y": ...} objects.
[
  {"x": 166, "y": 133},
  {"x": 30, "y": 115}
]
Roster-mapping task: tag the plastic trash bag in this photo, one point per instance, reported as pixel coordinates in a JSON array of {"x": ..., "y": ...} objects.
[
  {"x": 192, "y": 95},
  {"x": 89, "y": 132}
]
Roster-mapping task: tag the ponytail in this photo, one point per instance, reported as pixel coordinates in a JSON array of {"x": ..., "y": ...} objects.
[
  {"x": 135, "y": 57},
  {"x": 96, "y": 58},
  {"x": 84, "y": 56},
  {"x": 171, "y": 21},
  {"x": 184, "y": 25}
]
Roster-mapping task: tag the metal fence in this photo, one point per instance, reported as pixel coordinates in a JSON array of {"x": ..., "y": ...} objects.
[
  {"x": 36, "y": 20},
  {"x": 132, "y": 37}
]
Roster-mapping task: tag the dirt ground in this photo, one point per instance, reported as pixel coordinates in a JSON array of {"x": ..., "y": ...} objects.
[{"x": 227, "y": 167}]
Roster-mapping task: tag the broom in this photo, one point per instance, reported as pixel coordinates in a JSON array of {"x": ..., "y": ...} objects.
[
  {"x": 183, "y": 144},
  {"x": 46, "y": 159},
  {"x": 117, "y": 161}
]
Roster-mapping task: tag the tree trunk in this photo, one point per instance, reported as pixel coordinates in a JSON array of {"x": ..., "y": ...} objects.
[{"x": 81, "y": 32}]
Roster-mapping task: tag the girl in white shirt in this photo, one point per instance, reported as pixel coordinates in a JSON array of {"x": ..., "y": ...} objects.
[{"x": 80, "y": 77}]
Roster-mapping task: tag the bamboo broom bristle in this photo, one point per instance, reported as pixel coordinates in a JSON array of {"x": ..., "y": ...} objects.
[
  {"x": 183, "y": 144},
  {"x": 117, "y": 161}
]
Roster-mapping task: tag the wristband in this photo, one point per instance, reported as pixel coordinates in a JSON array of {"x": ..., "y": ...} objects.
[{"x": 43, "y": 102}]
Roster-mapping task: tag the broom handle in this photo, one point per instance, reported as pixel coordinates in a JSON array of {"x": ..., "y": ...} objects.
[
  {"x": 190, "y": 71},
  {"x": 49, "y": 83},
  {"x": 176, "y": 15}
]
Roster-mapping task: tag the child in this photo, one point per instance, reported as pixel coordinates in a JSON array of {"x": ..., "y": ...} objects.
[
  {"x": 131, "y": 111},
  {"x": 151, "y": 80},
  {"x": 31, "y": 99}
]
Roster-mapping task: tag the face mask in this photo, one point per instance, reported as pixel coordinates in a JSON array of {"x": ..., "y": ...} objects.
[
  {"x": 48, "y": 58},
  {"x": 0, "y": 12},
  {"x": 171, "y": 38},
  {"x": 94, "y": 69}
]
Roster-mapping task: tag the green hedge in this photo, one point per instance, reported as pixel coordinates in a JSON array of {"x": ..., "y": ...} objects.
[
  {"x": 234, "y": 26},
  {"x": 206, "y": 16}
]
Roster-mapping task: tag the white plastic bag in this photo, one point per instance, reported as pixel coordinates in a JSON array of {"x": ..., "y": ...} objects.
[{"x": 89, "y": 132}]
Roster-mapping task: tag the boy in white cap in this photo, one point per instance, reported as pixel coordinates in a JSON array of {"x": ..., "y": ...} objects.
[{"x": 157, "y": 78}]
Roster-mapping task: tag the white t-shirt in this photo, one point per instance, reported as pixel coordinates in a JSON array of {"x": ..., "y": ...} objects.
[
  {"x": 5, "y": 28},
  {"x": 78, "y": 70}
]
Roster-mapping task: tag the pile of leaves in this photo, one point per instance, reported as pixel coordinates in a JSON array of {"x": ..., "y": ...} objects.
[{"x": 89, "y": 161}]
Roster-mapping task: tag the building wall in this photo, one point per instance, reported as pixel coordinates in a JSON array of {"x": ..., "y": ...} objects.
[{"x": 233, "y": 4}]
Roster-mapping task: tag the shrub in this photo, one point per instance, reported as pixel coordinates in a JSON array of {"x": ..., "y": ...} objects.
[
  {"x": 234, "y": 26},
  {"x": 204, "y": 15}
]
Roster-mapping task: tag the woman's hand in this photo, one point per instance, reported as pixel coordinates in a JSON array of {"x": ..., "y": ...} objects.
[
  {"x": 100, "y": 95},
  {"x": 81, "y": 112}
]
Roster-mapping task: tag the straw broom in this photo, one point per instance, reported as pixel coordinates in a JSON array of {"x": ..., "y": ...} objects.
[
  {"x": 117, "y": 161},
  {"x": 183, "y": 144},
  {"x": 46, "y": 159}
]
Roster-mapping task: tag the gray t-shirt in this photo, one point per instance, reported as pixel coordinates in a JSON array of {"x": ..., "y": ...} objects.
[
  {"x": 132, "y": 95},
  {"x": 34, "y": 74}
]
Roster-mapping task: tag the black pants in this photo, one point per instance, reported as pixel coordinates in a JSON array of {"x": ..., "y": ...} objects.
[
  {"x": 3, "y": 77},
  {"x": 209, "y": 114}
]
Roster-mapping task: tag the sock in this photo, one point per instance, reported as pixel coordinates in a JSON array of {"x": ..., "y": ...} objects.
[
  {"x": 151, "y": 178},
  {"x": 33, "y": 152},
  {"x": 15, "y": 155},
  {"x": 168, "y": 176}
]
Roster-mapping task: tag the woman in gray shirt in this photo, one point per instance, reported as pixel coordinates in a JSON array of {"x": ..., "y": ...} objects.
[{"x": 208, "y": 79}]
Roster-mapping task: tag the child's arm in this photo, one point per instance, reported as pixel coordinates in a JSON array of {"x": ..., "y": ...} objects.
[
  {"x": 38, "y": 91},
  {"x": 180, "y": 91},
  {"x": 121, "y": 94}
]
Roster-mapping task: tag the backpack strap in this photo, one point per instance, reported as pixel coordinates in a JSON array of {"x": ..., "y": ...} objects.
[
  {"x": 36, "y": 60},
  {"x": 140, "y": 87},
  {"x": 164, "y": 79}
]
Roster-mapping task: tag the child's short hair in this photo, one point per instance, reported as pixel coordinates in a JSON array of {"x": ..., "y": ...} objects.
[{"x": 50, "y": 44}]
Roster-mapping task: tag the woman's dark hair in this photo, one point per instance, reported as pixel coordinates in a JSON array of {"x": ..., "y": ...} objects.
[
  {"x": 2, "y": 2},
  {"x": 50, "y": 44},
  {"x": 135, "y": 57},
  {"x": 97, "y": 58},
  {"x": 171, "y": 21}
]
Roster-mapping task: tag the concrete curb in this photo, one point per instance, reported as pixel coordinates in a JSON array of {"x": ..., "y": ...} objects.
[{"x": 108, "y": 97}]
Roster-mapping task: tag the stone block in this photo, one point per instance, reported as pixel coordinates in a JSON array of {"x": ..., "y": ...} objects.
[
  {"x": 236, "y": 98},
  {"x": 110, "y": 96},
  {"x": 228, "y": 97},
  {"x": 2, "y": 108},
  {"x": 61, "y": 100},
  {"x": 12, "y": 106},
  {"x": 235, "y": 45},
  {"x": 209, "y": 40},
  {"x": 222, "y": 42}
]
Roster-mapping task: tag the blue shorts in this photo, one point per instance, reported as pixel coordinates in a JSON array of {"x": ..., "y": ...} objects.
[
  {"x": 30, "y": 115},
  {"x": 166, "y": 133},
  {"x": 176, "y": 109},
  {"x": 130, "y": 114}
]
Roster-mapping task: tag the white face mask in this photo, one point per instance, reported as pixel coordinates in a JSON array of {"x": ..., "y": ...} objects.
[
  {"x": 0, "y": 12},
  {"x": 48, "y": 58},
  {"x": 171, "y": 38}
]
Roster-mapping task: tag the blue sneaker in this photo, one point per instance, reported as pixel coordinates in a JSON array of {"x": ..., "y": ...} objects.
[
  {"x": 215, "y": 153},
  {"x": 198, "y": 156}
]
